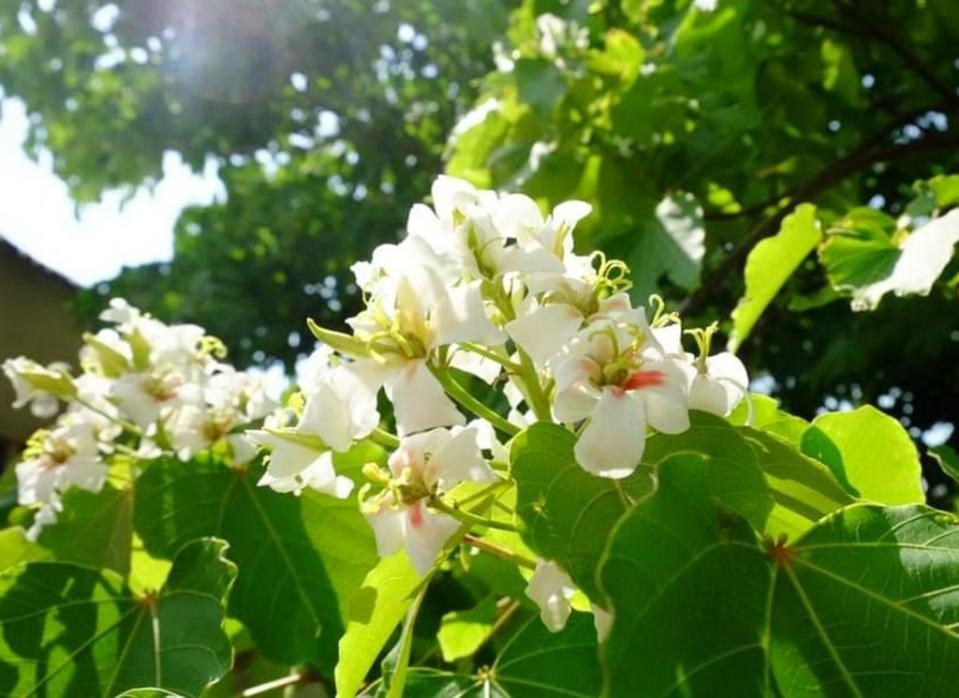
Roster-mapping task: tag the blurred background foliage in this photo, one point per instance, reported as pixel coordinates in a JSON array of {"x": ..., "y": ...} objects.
[{"x": 328, "y": 118}]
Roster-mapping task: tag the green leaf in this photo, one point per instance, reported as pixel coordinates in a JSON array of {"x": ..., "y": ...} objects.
[
  {"x": 565, "y": 512},
  {"x": 767, "y": 416},
  {"x": 69, "y": 630},
  {"x": 804, "y": 490},
  {"x": 375, "y": 610},
  {"x": 16, "y": 548},
  {"x": 540, "y": 84},
  {"x": 672, "y": 242},
  {"x": 769, "y": 266},
  {"x": 535, "y": 663},
  {"x": 300, "y": 558},
  {"x": 622, "y": 56},
  {"x": 870, "y": 453},
  {"x": 862, "y": 258},
  {"x": 944, "y": 455},
  {"x": 738, "y": 478},
  {"x": 661, "y": 558},
  {"x": 462, "y": 632},
  {"x": 94, "y": 529},
  {"x": 864, "y": 604}
]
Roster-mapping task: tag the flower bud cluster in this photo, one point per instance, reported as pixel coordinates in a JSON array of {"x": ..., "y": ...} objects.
[{"x": 145, "y": 388}]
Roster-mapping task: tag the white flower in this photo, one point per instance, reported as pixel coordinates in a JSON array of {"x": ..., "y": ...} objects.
[
  {"x": 66, "y": 457},
  {"x": 422, "y": 466},
  {"x": 38, "y": 386},
  {"x": 551, "y": 589},
  {"x": 145, "y": 397},
  {"x": 410, "y": 316},
  {"x": 616, "y": 377},
  {"x": 241, "y": 392},
  {"x": 718, "y": 385},
  {"x": 298, "y": 462},
  {"x": 341, "y": 404}
]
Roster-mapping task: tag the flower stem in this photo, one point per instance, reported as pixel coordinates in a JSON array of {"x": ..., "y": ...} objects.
[
  {"x": 129, "y": 426},
  {"x": 384, "y": 438},
  {"x": 498, "y": 551},
  {"x": 492, "y": 356},
  {"x": 462, "y": 396},
  {"x": 467, "y": 517},
  {"x": 534, "y": 391}
]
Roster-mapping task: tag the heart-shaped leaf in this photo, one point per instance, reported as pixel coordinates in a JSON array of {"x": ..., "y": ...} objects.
[{"x": 72, "y": 631}]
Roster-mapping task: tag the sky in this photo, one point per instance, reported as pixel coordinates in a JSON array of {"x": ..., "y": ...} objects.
[{"x": 38, "y": 216}]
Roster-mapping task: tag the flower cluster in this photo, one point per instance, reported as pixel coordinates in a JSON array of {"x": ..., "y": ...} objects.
[
  {"x": 481, "y": 321},
  {"x": 145, "y": 388}
]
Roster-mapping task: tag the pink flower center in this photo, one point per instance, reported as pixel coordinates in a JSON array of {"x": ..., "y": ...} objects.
[
  {"x": 637, "y": 380},
  {"x": 416, "y": 515}
]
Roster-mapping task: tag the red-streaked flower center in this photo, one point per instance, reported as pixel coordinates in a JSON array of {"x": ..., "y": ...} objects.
[{"x": 637, "y": 380}]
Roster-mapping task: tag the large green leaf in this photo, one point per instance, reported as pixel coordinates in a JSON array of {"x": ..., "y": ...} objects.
[
  {"x": 94, "y": 528},
  {"x": 735, "y": 467},
  {"x": 804, "y": 490},
  {"x": 564, "y": 511},
  {"x": 16, "y": 548},
  {"x": 865, "y": 604},
  {"x": 769, "y": 266},
  {"x": 300, "y": 558},
  {"x": 69, "y": 630},
  {"x": 870, "y": 453},
  {"x": 375, "y": 610},
  {"x": 534, "y": 664}
]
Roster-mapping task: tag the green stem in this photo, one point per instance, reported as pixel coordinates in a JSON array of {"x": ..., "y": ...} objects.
[
  {"x": 462, "y": 396},
  {"x": 492, "y": 356},
  {"x": 129, "y": 426},
  {"x": 498, "y": 551},
  {"x": 534, "y": 391},
  {"x": 467, "y": 517},
  {"x": 384, "y": 438},
  {"x": 506, "y": 614},
  {"x": 406, "y": 644}
]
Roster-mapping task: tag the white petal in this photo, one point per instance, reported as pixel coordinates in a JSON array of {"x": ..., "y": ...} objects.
[
  {"x": 667, "y": 408},
  {"x": 460, "y": 316},
  {"x": 389, "y": 529},
  {"x": 602, "y": 621},
  {"x": 708, "y": 394},
  {"x": 458, "y": 460},
  {"x": 670, "y": 338},
  {"x": 450, "y": 193},
  {"x": 325, "y": 416},
  {"x": 612, "y": 443},
  {"x": 551, "y": 589},
  {"x": 543, "y": 332},
  {"x": 426, "y": 534},
  {"x": 423, "y": 223},
  {"x": 516, "y": 215},
  {"x": 924, "y": 256},
  {"x": 485, "y": 369},
  {"x": 244, "y": 449},
  {"x": 575, "y": 396},
  {"x": 569, "y": 213},
  {"x": 728, "y": 371},
  {"x": 418, "y": 399}
]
